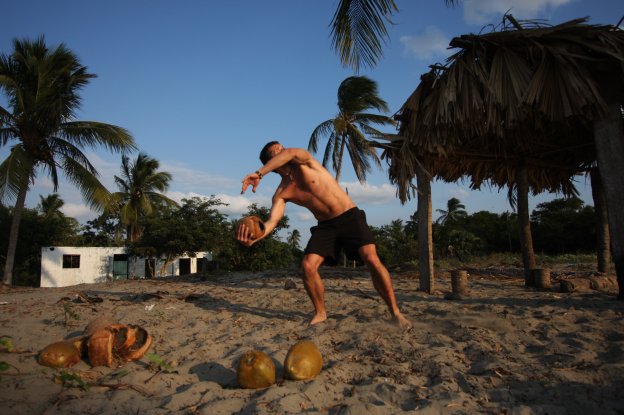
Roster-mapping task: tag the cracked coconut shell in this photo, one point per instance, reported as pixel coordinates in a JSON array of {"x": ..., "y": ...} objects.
[
  {"x": 138, "y": 341},
  {"x": 303, "y": 361},
  {"x": 60, "y": 354},
  {"x": 255, "y": 370},
  {"x": 118, "y": 342},
  {"x": 100, "y": 348},
  {"x": 254, "y": 224}
]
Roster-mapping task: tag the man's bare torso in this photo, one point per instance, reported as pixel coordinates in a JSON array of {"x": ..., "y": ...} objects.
[{"x": 312, "y": 186}]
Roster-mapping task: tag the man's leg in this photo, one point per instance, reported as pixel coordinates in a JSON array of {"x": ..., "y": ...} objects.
[
  {"x": 382, "y": 282},
  {"x": 314, "y": 286}
]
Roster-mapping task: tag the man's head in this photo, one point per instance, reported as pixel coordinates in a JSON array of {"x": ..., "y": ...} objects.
[{"x": 268, "y": 151}]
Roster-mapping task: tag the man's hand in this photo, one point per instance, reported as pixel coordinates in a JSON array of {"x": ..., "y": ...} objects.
[
  {"x": 243, "y": 235},
  {"x": 253, "y": 180}
]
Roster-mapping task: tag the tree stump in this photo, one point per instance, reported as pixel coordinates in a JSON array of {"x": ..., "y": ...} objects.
[
  {"x": 541, "y": 278},
  {"x": 459, "y": 285}
]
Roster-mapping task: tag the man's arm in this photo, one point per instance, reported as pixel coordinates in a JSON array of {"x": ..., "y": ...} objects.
[
  {"x": 277, "y": 212},
  {"x": 297, "y": 155}
]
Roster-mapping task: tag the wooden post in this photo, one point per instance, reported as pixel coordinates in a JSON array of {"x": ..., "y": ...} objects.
[
  {"x": 459, "y": 285},
  {"x": 541, "y": 278}
]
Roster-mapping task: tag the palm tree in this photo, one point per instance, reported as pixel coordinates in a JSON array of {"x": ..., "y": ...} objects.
[
  {"x": 139, "y": 185},
  {"x": 50, "y": 206},
  {"x": 42, "y": 88},
  {"x": 350, "y": 127},
  {"x": 455, "y": 210},
  {"x": 293, "y": 239},
  {"x": 358, "y": 29}
]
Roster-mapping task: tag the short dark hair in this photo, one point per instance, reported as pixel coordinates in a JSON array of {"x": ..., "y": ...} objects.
[{"x": 264, "y": 154}]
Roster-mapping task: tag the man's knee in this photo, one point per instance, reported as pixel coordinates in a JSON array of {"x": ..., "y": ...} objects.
[
  {"x": 369, "y": 256},
  {"x": 309, "y": 265}
]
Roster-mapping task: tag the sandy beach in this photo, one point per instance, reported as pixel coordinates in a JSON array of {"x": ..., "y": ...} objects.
[{"x": 504, "y": 349}]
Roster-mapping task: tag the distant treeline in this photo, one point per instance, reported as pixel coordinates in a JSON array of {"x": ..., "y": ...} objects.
[{"x": 561, "y": 226}]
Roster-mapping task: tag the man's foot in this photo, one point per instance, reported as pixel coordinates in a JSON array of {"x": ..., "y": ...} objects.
[
  {"x": 404, "y": 323},
  {"x": 318, "y": 318}
]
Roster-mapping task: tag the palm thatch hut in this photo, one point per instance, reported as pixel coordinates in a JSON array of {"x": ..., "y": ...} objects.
[{"x": 527, "y": 107}]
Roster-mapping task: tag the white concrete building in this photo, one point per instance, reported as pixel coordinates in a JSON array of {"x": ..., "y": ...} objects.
[{"x": 62, "y": 266}]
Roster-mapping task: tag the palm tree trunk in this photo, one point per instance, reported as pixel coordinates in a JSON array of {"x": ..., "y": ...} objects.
[
  {"x": 13, "y": 234},
  {"x": 609, "y": 137},
  {"x": 425, "y": 238},
  {"x": 343, "y": 142},
  {"x": 603, "y": 253},
  {"x": 524, "y": 222}
]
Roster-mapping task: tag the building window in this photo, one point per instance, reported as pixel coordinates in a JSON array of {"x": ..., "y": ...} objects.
[{"x": 71, "y": 261}]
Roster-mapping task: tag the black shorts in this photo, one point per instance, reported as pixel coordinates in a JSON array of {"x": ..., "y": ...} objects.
[{"x": 348, "y": 231}]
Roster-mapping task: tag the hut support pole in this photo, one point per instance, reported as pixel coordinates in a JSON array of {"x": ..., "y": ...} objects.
[
  {"x": 524, "y": 222},
  {"x": 425, "y": 238},
  {"x": 609, "y": 136}
]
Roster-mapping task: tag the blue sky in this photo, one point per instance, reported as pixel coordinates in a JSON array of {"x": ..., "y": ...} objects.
[{"x": 203, "y": 85}]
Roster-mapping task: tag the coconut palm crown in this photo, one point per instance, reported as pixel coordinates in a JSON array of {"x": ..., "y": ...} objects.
[
  {"x": 42, "y": 90},
  {"x": 349, "y": 128},
  {"x": 140, "y": 186}
]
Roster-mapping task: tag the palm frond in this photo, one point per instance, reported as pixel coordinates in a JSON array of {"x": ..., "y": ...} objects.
[
  {"x": 357, "y": 27},
  {"x": 324, "y": 129},
  {"x": 92, "y": 190},
  {"x": 92, "y": 133},
  {"x": 16, "y": 173}
]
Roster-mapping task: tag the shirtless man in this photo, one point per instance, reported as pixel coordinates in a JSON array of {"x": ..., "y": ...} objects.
[{"x": 341, "y": 224}]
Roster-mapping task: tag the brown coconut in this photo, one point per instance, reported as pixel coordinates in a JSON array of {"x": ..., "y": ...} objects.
[
  {"x": 100, "y": 348},
  {"x": 254, "y": 225},
  {"x": 134, "y": 350},
  {"x": 255, "y": 370},
  {"x": 98, "y": 324},
  {"x": 303, "y": 361},
  {"x": 60, "y": 354}
]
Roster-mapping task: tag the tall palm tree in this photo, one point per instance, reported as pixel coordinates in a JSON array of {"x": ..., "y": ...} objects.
[
  {"x": 455, "y": 210},
  {"x": 50, "y": 206},
  {"x": 349, "y": 128},
  {"x": 139, "y": 194},
  {"x": 42, "y": 89},
  {"x": 358, "y": 29},
  {"x": 294, "y": 238}
]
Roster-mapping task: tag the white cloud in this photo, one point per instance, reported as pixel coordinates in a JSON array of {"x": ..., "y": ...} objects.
[
  {"x": 483, "y": 11},
  {"x": 304, "y": 216},
  {"x": 459, "y": 193},
  {"x": 80, "y": 212},
  {"x": 429, "y": 45},
  {"x": 184, "y": 177},
  {"x": 363, "y": 194}
]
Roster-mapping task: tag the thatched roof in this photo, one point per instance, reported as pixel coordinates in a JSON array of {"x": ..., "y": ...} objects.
[{"x": 516, "y": 95}]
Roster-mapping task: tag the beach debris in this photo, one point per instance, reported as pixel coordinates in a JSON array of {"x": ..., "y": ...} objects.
[
  {"x": 303, "y": 361},
  {"x": 98, "y": 324},
  {"x": 254, "y": 225},
  {"x": 60, "y": 354},
  {"x": 118, "y": 343},
  {"x": 599, "y": 282},
  {"x": 100, "y": 349},
  {"x": 149, "y": 307},
  {"x": 71, "y": 380},
  {"x": 104, "y": 343},
  {"x": 82, "y": 297},
  {"x": 255, "y": 370},
  {"x": 289, "y": 284},
  {"x": 190, "y": 297}
]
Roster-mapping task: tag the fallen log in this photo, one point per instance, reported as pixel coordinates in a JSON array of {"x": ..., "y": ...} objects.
[{"x": 599, "y": 282}]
